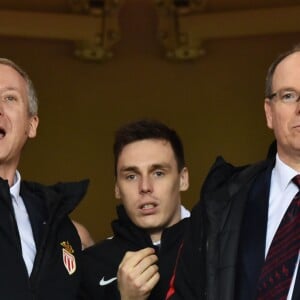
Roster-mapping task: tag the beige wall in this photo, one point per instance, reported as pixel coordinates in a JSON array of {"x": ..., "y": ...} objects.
[{"x": 215, "y": 103}]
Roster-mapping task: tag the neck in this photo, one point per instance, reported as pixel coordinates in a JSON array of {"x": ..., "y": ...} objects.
[
  {"x": 291, "y": 161},
  {"x": 7, "y": 173},
  {"x": 155, "y": 235}
]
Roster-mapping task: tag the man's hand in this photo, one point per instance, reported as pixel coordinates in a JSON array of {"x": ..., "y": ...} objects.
[{"x": 138, "y": 274}]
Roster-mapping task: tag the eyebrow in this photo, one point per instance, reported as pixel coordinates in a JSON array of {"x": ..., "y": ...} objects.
[
  {"x": 10, "y": 88},
  {"x": 129, "y": 169},
  {"x": 288, "y": 88},
  {"x": 152, "y": 167},
  {"x": 161, "y": 166}
]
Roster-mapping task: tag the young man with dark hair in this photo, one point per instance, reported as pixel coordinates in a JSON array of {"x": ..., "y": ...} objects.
[{"x": 138, "y": 261}]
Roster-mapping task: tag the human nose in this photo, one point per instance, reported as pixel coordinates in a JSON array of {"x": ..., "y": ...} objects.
[{"x": 145, "y": 185}]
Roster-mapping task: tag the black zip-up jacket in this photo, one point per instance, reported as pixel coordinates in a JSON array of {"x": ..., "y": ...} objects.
[
  {"x": 101, "y": 262},
  {"x": 48, "y": 209}
]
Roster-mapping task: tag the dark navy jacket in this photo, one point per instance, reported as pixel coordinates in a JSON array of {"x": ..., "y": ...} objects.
[
  {"x": 48, "y": 209},
  {"x": 212, "y": 264}
]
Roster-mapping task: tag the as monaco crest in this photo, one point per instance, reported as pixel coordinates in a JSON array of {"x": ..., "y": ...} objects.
[{"x": 68, "y": 257}]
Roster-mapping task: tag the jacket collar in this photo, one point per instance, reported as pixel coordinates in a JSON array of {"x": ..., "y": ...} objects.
[
  {"x": 64, "y": 196},
  {"x": 124, "y": 228}
]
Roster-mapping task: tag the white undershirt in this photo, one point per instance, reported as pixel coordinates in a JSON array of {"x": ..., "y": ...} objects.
[
  {"x": 184, "y": 213},
  {"x": 282, "y": 192},
  {"x": 23, "y": 223}
]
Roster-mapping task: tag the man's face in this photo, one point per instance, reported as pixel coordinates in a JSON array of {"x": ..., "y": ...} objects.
[
  {"x": 284, "y": 118},
  {"x": 149, "y": 184},
  {"x": 15, "y": 123}
]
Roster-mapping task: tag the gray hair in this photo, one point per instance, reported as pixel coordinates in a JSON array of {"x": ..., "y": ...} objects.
[
  {"x": 31, "y": 94},
  {"x": 269, "y": 79}
]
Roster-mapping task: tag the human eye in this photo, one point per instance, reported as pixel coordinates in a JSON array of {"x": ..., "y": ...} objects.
[
  {"x": 289, "y": 96},
  {"x": 159, "y": 173},
  {"x": 130, "y": 177},
  {"x": 9, "y": 98}
]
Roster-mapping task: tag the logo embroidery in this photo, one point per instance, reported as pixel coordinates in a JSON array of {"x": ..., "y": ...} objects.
[
  {"x": 68, "y": 257},
  {"x": 106, "y": 282}
]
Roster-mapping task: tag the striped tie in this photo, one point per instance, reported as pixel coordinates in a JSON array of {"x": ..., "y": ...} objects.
[{"x": 277, "y": 271}]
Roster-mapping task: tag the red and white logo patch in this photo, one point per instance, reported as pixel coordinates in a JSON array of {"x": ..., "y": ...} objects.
[{"x": 69, "y": 261}]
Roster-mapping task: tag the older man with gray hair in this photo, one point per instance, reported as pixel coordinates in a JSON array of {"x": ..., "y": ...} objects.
[{"x": 39, "y": 244}]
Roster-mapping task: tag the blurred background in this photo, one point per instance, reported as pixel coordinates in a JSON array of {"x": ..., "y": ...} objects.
[{"x": 199, "y": 66}]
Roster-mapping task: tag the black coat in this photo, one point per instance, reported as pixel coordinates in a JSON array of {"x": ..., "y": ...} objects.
[
  {"x": 102, "y": 260},
  {"x": 48, "y": 209},
  {"x": 208, "y": 263}
]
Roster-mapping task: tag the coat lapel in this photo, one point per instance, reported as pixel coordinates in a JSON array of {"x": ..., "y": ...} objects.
[
  {"x": 7, "y": 222},
  {"x": 37, "y": 213},
  {"x": 246, "y": 218},
  {"x": 255, "y": 229}
]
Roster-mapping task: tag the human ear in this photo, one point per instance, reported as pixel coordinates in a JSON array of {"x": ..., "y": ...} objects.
[
  {"x": 184, "y": 179},
  {"x": 117, "y": 191},
  {"x": 268, "y": 113},
  {"x": 33, "y": 125}
]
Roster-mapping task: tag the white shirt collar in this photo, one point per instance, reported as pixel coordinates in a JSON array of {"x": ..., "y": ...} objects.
[
  {"x": 184, "y": 213},
  {"x": 15, "y": 188},
  {"x": 283, "y": 173}
]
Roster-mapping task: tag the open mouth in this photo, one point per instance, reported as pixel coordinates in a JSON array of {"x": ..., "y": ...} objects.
[
  {"x": 148, "y": 206},
  {"x": 2, "y": 133}
]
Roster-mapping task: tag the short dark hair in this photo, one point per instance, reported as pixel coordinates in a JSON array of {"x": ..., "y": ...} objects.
[
  {"x": 269, "y": 79},
  {"x": 148, "y": 129}
]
